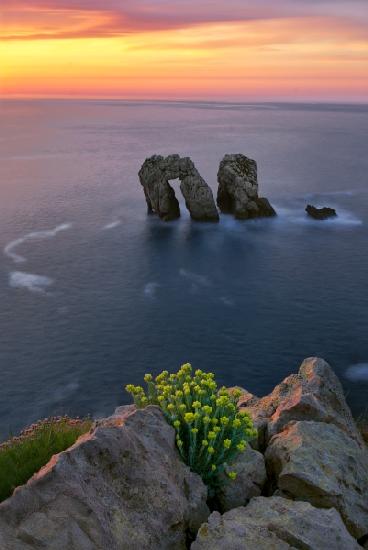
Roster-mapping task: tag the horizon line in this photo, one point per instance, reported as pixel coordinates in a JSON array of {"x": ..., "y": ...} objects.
[{"x": 185, "y": 100}]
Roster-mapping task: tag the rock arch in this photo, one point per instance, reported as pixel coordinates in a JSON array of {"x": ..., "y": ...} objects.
[
  {"x": 154, "y": 176},
  {"x": 237, "y": 191}
]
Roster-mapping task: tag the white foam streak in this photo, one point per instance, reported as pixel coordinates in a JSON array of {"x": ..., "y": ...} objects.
[
  {"x": 297, "y": 216},
  {"x": 150, "y": 289},
  {"x": 227, "y": 301},
  {"x": 111, "y": 225},
  {"x": 195, "y": 278},
  {"x": 29, "y": 281},
  {"x": 357, "y": 373},
  {"x": 343, "y": 193},
  {"x": 9, "y": 249},
  {"x": 63, "y": 392}
]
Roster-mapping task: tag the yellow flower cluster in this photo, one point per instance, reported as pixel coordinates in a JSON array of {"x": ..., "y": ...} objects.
[{"x": 210, "y": 431}]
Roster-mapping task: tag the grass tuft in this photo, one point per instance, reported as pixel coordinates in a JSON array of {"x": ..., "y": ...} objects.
[{"x": 24, "y": 455}]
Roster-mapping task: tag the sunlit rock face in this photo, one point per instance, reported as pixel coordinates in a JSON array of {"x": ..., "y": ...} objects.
[
  {"x": 320, "y": 463},
  {"x": 123, "y": 485},
  {"x": 238, "y": 189},
  {"x": 154, "y": 176}
]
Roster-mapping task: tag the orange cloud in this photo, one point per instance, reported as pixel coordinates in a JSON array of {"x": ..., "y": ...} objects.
[{"x": 100, "y": 50}]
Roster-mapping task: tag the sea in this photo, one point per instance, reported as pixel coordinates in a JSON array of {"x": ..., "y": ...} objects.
[{"x": 94, "y": 293}]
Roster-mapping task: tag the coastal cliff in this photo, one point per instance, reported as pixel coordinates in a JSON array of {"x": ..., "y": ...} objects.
[{"x": 303, "y": 483}]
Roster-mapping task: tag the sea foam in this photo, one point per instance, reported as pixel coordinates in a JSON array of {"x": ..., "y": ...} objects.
[
  {"x": 111, "y": 225},
  {"x": 9, "y": 249},
  {"x": 298, "y": 216},
  {"x": 30, "y": 281},
  {"x": 195, "y": 278},
  {"x": 64, "y": 392},
  {"x": 357, "y": 372},
  {"x": 226, "y": 301},
  {"x": 150, "y": 289}
]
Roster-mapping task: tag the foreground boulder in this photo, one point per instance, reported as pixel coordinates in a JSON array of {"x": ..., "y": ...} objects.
[
  {"x": 154, "y": 176},
  {"x": 275, "y": 523},
  {"x": 320, "y": 463},
  {"x": 320, "y": 213},
  {"x": 121, "y": 486},
  {"x": 315, "y": 393},
  {"x": 238, "y": 189},
  {"x": 250, "y": 480}
]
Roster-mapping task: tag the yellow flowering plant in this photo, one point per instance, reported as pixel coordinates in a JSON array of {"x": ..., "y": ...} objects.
[{"x": 210, "y": 430}]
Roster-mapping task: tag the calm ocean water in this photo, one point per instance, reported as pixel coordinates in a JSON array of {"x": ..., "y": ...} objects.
[{"x": 94, "y": 293}]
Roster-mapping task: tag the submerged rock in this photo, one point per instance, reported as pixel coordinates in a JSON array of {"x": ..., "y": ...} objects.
[
  {"x": 320, "y": 213},
  {"x": 121, "y": 486},
  {"x": 275, "y": 523},
  {"x": 238, "y": 189},
  {"x": 154, "y": 176}
]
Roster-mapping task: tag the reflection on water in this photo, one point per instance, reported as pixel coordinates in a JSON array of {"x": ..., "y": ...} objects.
[{"x": 94, "y": 293}]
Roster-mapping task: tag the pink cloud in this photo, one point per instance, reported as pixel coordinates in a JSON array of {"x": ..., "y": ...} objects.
[{"x": 79, "y": 18}]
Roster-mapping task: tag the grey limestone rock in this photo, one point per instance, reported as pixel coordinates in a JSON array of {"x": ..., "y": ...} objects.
[
  {"x": 251, "y": 478},
  {"x": 321, "y": 464},
  {"x": 154, "y": 176},
  {"x": 122, "y": 486},
  {"x": 275, "y": 523},
  {"x": 315, "y": 393},
  {"x": 238, "y": 188}
]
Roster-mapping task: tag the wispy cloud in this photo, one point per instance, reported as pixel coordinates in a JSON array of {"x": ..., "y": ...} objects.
[
  {"x": 184, "y": 48},
  {"x": 47, "y": 19}
]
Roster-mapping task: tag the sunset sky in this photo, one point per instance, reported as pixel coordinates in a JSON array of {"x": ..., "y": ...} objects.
[{"x": 209, "y": 49}]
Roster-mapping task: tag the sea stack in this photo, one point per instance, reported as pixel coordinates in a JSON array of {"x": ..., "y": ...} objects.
[
  {"x": 238, "y": 189},
  {"x": 154, "y": 176}
]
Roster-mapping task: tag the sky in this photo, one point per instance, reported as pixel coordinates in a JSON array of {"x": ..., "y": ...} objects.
[{"x": 240, "y": 50}]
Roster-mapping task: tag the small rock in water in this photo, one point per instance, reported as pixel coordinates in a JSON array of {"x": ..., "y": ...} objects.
[{"x": 320, "y": 213}]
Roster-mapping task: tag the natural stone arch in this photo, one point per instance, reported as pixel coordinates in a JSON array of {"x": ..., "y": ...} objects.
[{"x": 154, "y": 176}]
